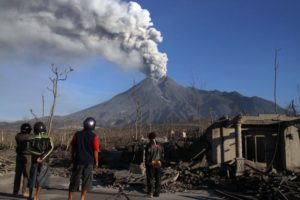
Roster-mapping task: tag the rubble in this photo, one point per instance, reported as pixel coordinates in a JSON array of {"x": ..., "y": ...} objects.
[
  {"x": 260, "y": 186},
  {"x": 7, "y": 164},
  {"x": 115, "y": 178},
  {"x": 186, "y": 167}
]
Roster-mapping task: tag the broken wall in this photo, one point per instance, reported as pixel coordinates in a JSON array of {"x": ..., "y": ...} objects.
[
  {"x": 291, "y": 150},
  {"x": 223, "y": 145}
]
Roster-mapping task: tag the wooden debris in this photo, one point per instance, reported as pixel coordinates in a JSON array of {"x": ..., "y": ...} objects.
[{"x": 6, "y": 165}]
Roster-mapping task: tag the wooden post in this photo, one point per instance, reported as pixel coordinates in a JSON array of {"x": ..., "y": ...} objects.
[
  {"x": 240, "y": 162},
  {"x": 239, "y": 140}
]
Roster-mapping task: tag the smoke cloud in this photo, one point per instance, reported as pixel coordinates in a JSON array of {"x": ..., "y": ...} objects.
[{"x": 121, "y": 32}]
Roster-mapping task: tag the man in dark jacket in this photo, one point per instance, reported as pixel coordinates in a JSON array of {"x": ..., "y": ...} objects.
[
  {"x": 85, "y": 149},
  {"x": 23, "y": 160},
  {"x": 41, "y": 146},
  {"x": 153, "y": 163}
]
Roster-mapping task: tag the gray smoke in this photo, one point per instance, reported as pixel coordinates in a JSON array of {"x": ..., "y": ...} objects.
[{"x": 119, "y": 31}]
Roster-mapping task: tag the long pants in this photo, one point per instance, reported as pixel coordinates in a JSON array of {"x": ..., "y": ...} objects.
[
  {"x": 23, "y": 164},
  {"x": 153, "y": 180}
]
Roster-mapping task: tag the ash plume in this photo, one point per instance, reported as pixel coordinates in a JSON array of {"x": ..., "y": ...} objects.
[{"x": 121, "y": 32}]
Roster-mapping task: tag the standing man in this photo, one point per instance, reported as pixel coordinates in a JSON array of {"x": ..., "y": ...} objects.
[
  {"x": 23, "y": 160},
  {"x": 41, "y": 146},
  {"x": 85, "y": 149},
  {"x": 153, "y": 163}
]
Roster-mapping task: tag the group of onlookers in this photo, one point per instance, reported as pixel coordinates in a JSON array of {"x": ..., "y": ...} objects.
[{"x": 32, "y": 161}]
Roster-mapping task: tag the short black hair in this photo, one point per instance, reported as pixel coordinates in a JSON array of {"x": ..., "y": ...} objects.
[{"x": 152, "y": 135}]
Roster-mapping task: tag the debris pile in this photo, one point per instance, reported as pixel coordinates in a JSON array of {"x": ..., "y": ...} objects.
[
  {"x": 60, "y": 159},
  {"x": 6, "y": 164},
  {"x": 261, "y": 186},
  {"x": 61, "y": 163},
  {"x": 185, "y": 168},
  {"x": 115, "y": 178}
]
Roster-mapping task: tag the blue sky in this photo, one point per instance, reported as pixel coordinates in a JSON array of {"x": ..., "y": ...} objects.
[{"x": 228, "y": 45}]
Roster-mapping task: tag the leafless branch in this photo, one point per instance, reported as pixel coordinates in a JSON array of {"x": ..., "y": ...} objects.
[
  {"x": 57, "y": 76},
  {"x": 43, "y": 105},
  {"x": 34, "y": 115}
]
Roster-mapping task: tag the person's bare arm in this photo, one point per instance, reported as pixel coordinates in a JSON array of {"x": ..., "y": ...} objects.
[
  {"x": 96, "y": 151},
  {"x": 96, "y": 155}
]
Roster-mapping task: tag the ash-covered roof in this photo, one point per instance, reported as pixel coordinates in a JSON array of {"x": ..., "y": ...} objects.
[{"x": 260, "y": 120}]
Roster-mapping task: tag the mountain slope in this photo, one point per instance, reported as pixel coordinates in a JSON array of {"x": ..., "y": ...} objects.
[{"x": 166, "y": 101}]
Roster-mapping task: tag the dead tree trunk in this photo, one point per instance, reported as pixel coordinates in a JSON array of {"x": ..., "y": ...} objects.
[
  {"x": 276, "y": 66},
  {"x": 34, "y": 115},
  {"x": 138, "y": 120},
  {"x": 43, "y": 106},
  {"x": 58, "y": 76},
  {"x": 138, "y": 117},
  {"x": 196, "y": 99}
]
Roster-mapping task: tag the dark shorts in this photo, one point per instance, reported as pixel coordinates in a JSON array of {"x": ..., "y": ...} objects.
[
  {"x": 39, "y": 175},
  {"x": 83, "y": 172}
]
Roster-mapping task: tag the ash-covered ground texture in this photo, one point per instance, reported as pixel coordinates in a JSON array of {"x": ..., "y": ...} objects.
[
  {"x": 164, "y": 101},
  {"x": 110, "y": 182},
  {"x": 187, "y": 174}
]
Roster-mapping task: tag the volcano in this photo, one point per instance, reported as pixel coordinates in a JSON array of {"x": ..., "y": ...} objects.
[{"x": 165, "y": 101}]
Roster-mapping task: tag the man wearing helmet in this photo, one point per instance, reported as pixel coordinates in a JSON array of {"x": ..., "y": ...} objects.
[
  {"x": 41, "y": 146},
  {"x": 85, "y": 149},
  {"x": 23, "y": 160}
]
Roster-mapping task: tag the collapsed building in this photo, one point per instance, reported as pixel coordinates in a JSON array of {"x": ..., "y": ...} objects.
[{"x": 265, "y": 141}]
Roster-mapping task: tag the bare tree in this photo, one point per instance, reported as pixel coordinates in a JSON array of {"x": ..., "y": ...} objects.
[
  {"x": 138, "y": 111},
  {"x": 291, "y": 109},
  {"x": 194, "y": 81},
  {"x": 138, "y": 119},
  {"x": 34, "y": 115},
  {"x": 55, "y": 79},
  {"x": 196, "y": 99},
  {"x": 43, "y": 105},
  {"x": 297, "y": 102},
  {"x": 43, "y": 109},
  {"x": 276, "y": 66},
  {"x": 150, "y": 121},
  {"x": 212, "y": 115}
]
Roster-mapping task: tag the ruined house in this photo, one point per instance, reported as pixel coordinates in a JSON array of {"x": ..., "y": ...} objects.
[{"x": 268, "y": 141}]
